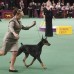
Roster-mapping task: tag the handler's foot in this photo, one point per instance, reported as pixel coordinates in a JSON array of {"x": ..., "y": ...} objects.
[{"x": 13, "y": 70}]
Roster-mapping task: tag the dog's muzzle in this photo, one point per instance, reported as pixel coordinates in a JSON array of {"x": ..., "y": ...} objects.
[{"x": 48, "y": 44}]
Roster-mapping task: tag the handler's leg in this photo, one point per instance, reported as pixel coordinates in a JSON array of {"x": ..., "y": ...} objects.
[
  {"x": 13, "y": 59},
  {"x": 2, "y": 52}
]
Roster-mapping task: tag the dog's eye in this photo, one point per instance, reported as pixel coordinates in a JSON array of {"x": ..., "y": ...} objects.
[{"x": 45, "y": 41}]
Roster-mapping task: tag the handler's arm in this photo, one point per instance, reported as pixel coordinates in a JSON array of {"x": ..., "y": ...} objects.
[
  {"x": 27, "y": 28},
  {"x": 11, "y": 28}
]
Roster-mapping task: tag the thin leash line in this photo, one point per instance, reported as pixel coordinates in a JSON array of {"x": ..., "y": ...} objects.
[{"x": 38, "y": 32}]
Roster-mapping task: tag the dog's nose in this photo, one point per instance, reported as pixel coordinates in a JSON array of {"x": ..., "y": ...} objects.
[{"x": 49, "y": 44}]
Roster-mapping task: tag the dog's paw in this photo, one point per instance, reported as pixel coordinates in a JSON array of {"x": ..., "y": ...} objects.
[
  {"x": 23, "y": 60},
  {"x": 45, "y": 68},
  {"x": 9, "y": 61},
  {"x": 27, "y": 66}
]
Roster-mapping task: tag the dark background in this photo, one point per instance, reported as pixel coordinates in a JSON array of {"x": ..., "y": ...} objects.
[
  {"x": 65, "y": 1},
  {"x": 26, "y": 2}
]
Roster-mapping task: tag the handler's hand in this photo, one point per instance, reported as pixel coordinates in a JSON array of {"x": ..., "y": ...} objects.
[
  {"x": 34, "y": 23},
  {"x": 16, "y": 35}
]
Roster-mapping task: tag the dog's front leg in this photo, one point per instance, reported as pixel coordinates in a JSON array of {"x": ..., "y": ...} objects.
[{"x": 43, "y": 66}]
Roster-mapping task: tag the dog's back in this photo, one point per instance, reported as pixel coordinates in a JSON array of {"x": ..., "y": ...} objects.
[{"x": 28, "y": 49}]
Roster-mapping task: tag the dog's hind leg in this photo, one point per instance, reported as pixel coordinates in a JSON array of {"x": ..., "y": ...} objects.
[
  {"x": 31, "y": 62},
  {"x": 43, "y": 66},
  {"x": 19, "y": 51},
  {"x": 26, "y": 56}
]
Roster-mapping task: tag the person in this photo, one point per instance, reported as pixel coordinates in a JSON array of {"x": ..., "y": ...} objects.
[
  {"x": 21, "y": 3},
  {"x": 0, "y": 16},
  {"x": 30, "y": 10},
  {"x": 48, "y": 2},
  {"x": 10, "y": 41},
  {"x": 47, "y": 13},
  {"x": 0, "y": 19},
  {"x": 33, "y": 5},
  {"x": 38, "y": 6}
]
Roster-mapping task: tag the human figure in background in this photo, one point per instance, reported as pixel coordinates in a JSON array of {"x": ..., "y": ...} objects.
[
  {"x": 21, "y": 3},
  {"x": 38, "y": 7},
  {"x": 2, "y": 6},
  {"x": 72, "y": 6},
  {"x": 67, "y": 7},
  {"x": 41, "y": 9},
  {"x": 6, "y": 6},
  {"x": 48, "y": 20},
  {"x": 48, "y": 2},
  {"x": 33, "y": 8},
  {"x": 69, "y": 13},
  {"x": 0, "y": 16},
  {"x": 30, "y": 10}
]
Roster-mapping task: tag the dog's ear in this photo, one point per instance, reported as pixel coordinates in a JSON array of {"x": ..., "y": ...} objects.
[{"x": 42, "y": 37}]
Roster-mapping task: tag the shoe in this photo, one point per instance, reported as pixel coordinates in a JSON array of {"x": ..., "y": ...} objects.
[{"x": 13, "y": 70}]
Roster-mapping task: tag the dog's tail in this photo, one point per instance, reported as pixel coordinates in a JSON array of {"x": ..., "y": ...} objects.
[{"x": 21, "y": 44}]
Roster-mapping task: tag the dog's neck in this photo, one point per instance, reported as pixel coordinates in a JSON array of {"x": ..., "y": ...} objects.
[{"x": 40, "y": 44}]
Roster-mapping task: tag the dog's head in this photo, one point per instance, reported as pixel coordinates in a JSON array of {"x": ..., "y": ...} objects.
[{"x": 45, "y": 41}]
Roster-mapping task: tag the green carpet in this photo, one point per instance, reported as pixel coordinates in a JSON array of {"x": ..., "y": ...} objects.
[{"x": 58, "y": 58}]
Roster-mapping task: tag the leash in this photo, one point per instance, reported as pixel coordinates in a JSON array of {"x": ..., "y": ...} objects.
[{"x": 38, "y": 32}]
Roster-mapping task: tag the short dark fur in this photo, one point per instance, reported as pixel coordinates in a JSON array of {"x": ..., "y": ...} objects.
[{"x": 34, "y": 51}]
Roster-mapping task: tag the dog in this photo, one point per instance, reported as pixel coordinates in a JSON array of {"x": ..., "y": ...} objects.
[{"x": 34, "y": 51}]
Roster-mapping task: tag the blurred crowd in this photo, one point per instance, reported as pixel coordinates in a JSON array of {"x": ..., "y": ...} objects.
[
  {"x": 59, "y": 9},
  {"x": 35, "y": 9}
]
